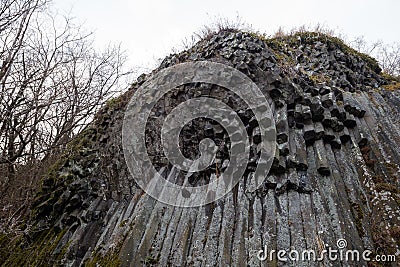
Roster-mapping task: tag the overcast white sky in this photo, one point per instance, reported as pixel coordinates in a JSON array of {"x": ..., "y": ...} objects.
[{"x": 150, "y": 29}]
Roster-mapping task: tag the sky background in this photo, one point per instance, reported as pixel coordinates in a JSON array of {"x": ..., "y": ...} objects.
[{"x": 151, "y": 29}]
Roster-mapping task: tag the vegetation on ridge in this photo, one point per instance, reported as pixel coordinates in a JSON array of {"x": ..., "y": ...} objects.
[{"x": 81, "y": 148}]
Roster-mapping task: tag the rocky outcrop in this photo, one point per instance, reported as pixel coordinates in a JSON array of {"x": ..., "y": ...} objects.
[{"x": 334, "y": 175}]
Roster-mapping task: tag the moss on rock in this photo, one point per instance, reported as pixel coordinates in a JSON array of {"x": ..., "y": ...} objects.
[
  {"x": 38, "y": 253},
  {"x": 111, "y": 259}
]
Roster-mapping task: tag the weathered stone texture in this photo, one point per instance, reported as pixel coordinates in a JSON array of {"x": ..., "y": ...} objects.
[{"x": 334, "y": 175}]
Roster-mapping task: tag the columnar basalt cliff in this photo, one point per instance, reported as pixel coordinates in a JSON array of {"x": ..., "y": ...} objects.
[{"x": 335, "y": 174}]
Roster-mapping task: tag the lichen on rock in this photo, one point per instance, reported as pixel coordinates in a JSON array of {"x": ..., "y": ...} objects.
[{"x": 337, "y": 124}]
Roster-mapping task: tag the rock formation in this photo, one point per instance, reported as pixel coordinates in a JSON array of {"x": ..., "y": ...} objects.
[{"x": 334, "y": 175}]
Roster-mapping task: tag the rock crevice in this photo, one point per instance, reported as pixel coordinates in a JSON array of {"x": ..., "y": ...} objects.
[{"x": 334, "y": 175}]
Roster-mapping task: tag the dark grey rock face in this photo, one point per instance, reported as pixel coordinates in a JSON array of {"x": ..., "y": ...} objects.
[{"x": 334, "y": 175}]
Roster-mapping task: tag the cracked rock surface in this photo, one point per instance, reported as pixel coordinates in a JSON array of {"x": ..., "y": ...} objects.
[{"x": 335, "y": 172}]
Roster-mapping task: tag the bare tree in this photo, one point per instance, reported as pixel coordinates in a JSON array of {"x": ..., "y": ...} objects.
[
  {"x": 52, "y": 81},
  {"x": 388, "y": 55},
  {"x": 360, "y": 44},
  {"x": 389, "y": 58}
]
